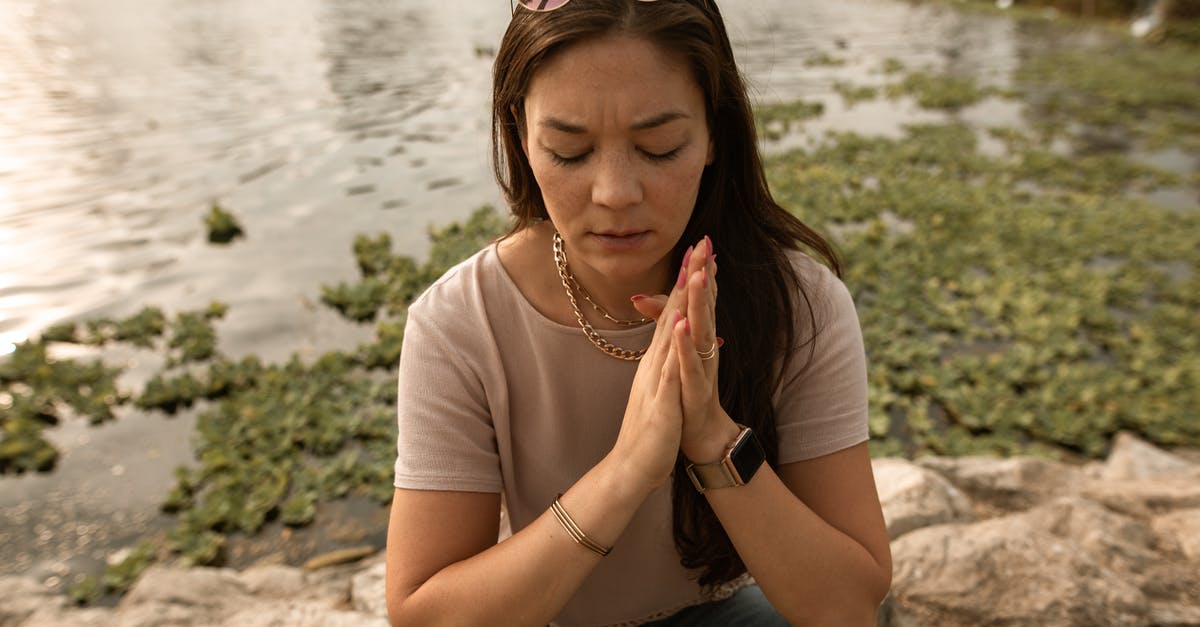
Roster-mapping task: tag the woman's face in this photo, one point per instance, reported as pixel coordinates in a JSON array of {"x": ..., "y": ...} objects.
[{"x": 616, "y": 135}]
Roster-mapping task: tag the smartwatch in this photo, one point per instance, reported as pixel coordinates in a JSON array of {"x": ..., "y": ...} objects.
[{"x": 741, "y": 461}]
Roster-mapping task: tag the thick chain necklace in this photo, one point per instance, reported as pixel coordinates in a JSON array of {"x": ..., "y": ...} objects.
[{"x": 597, "y": 340}]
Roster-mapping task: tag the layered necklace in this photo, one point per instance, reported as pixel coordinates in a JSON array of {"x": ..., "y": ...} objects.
[{"x": 571, "y": 285}]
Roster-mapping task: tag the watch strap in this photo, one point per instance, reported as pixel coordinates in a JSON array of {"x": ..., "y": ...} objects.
[{"x": 724, "y": 472}]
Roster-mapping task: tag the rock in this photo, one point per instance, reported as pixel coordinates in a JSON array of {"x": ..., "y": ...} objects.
[
  {"x": 913, "y": 497},
  {"x": 1007, "y": 485},
  {"x": 1134, "y": 458},
  {"x": 274, "y": 581},
  {"x": 1118, "y": 542},
  {"x": 1003, "y": 571},
  {"x": 368, "y": 593},
  {"x": 1173, "y": 615},
  {"x": 1146, "y": 498},
  {"x": 186, "y": 587},
  {"x": 21, "y": 597},
  {"x": 300, "y": 614},
  {"x": 1179, "y": 532}
]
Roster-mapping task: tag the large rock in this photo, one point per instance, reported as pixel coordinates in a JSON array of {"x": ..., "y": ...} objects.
[
  {"x": 368, "y": 593},
  {"x": 1000, "y": 485},
  {"x": 300, "y": 614},
  {"x": 1179, "y": 532},
  {"x": 1147, "y": 498},
  {"x": 21, "y": 597},
  {"x": 1005, "y": 572},
  {"x": 913, "y": 497},
  {"x": 1120, "y": 543},
  {"x": 1134, "y": 458}
]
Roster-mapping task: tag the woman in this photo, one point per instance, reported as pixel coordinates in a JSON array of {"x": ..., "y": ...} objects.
[{"x": 574, "y": 367}]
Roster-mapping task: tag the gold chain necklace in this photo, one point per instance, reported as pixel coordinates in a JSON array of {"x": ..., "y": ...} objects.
[{"x": 597, "y": 340}]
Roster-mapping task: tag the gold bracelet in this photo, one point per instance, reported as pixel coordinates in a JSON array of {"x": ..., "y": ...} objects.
[{"x": 573, "y": 530}]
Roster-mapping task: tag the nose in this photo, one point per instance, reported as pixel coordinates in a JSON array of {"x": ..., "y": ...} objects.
[{"x": 617, "y": 184}]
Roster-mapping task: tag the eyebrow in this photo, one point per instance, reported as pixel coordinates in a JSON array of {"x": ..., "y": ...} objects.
[{"x": 654, "y": 122}]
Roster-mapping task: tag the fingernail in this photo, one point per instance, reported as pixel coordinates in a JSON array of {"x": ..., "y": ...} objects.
[
  {"x": 682, "y": 277},
  {"x": 720, "y": 342},
  {"x": 675, "y": 318},
  {"x": 687, "y": 256},
  {"x": 687, "y": 326},
  {"x": 713, "y": 258},
  {"x": 708, "y": 245},
  {"x": 637, "y": 298}
]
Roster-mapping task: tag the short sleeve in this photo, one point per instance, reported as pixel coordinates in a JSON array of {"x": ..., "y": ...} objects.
[
  {"x": 446, "y": 436},
  {"x": 821, "y": 405}
]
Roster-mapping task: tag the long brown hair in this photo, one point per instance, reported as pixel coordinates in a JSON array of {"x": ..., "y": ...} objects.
[{"x": 750, "y": 231}]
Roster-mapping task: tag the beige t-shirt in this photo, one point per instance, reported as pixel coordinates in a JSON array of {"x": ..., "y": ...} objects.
[{"x": 495, "y": 397}]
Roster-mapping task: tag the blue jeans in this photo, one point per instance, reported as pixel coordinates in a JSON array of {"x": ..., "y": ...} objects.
[{"x": 746, "y": 608}]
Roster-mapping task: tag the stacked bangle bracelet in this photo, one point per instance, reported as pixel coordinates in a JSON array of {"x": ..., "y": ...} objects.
[{"x": 574, "y": 531}]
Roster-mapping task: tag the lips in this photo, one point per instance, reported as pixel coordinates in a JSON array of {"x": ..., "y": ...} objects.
[{"x": 620, "y": 240}]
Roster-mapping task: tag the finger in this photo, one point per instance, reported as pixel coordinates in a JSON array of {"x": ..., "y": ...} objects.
[
  {"x": 668, "y": 383},
  {"x": 676, "y": 300},
  {"x": 650, "y": 306},
  {"x": 696, "y": 388},
  {"x": 700, "y": 313}
]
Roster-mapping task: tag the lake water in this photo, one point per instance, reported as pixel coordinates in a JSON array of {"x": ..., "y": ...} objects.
[{"x": 312, "y": 121}]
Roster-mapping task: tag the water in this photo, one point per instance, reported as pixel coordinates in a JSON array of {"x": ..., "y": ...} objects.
[{"x": 312, "y": 120}]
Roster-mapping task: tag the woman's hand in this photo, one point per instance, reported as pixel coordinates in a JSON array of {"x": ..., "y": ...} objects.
[
  {"x": 706, "y": 428},
  {"x": 651, "y": 430}
]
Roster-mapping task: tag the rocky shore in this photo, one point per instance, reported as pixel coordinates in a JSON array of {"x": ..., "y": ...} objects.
[{"x": 976, "y": 541}]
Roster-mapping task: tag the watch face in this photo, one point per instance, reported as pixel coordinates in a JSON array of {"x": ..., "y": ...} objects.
[{"x": 747, "y": 456}]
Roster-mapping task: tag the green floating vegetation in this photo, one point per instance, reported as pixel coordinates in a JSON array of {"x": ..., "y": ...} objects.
[
  {"x": 854, "y": 94},
  {"x": 939, "y": 91},
  {"x": 37, "y": 390},
  {"x": 223, "y": 227},
  {"x": 1008, "y": 308},
  {"x": 776, "y": 120},
  {"x": 282, "y": 438},
  {"x": 824, "y": 59},
  {"x": 1147, "y": 92}
]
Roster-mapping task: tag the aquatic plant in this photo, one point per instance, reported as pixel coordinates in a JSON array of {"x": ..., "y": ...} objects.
[
  {"x": 775, "y": 120},
  {"x": 1002, "y": 317},
  {"x": 938, "y": 91},
  {"x": 854, "y": 94},
  {"x": 223, "y": 227}
]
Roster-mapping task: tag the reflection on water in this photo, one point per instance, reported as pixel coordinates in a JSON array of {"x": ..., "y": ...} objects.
[{"x": 313, "y": 120}]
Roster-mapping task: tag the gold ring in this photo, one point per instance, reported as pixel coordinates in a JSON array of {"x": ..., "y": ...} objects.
[{"x": 708, "y": 354}]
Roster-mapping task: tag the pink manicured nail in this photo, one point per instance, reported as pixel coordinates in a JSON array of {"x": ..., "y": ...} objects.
[
  {"x": 637, "y": 298},
  {"x": 708, "y": 246},
  {"x": 687, "y": 326},
  {"x": 682, "y": 278},
  {"x": 720, "y": 342},
  {"x": 676, "y": 317},
  {"x": 687, "y": 256}
]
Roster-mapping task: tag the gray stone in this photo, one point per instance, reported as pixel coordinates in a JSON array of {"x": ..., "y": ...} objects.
[
  {"x": 913, "y": 497},
  {"x": 1134, "y": 458},
  {"x": 1005, "y": 572}
]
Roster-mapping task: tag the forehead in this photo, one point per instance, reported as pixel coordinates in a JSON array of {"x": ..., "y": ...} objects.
[{"x": 632, "y": 74}]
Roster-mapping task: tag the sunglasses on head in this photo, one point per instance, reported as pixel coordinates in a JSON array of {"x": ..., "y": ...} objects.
[{"x": 549, "y": 5}]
